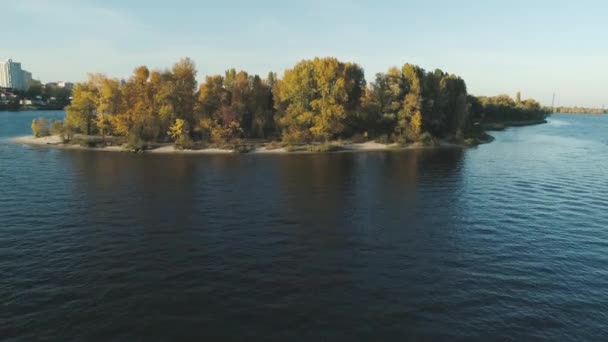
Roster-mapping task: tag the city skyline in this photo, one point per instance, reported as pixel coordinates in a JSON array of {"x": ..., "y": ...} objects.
[
  {"x": 13, "y": 76},
  {"x": 539, "y": 49}
]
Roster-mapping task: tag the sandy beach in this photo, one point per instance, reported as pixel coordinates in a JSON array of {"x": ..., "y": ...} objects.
[{"x": 56, "y": 142}]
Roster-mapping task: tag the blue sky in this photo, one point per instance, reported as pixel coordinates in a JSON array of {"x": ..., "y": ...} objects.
[{"x": 537, "y": 47}]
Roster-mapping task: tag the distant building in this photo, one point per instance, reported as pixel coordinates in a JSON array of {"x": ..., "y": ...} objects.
[
  {"x": 67, "y": 85},
  {"x": 12, "y": 76},
  {"x": 27, "y": 79}
]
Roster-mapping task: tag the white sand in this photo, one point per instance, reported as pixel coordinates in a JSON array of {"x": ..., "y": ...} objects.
[
  {"x": 172, "y": 149},
  {"x": 264, "y": 150},
  {"x": 368, "y": 146},
  {"x": 57, "y": 142},
  {"x": 50, "y": 140}
]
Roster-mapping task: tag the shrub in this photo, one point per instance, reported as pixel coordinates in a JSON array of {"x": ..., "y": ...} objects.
[
  {"x": 40, "y": 128},
  {"x": 359, "y": 138},
  {"x": 383, "y": 139},
  {"x": 243, "y": 148},
  {"x": 426, "y": 139},
  {"x": 291, "y": 148},
  {"x": 57, "y": 128},
  {"x": 222, "y": 134},
  {"x": 323, "y": 147},
  {"x": 136, "y": 143},
  {"x": 471, "y": 141},
  {"x": 68, "y": 132},
  {"x": 295, "y": 137},
  {"x": 180, "y": 133},
  {"x": 35, "y": 129}
]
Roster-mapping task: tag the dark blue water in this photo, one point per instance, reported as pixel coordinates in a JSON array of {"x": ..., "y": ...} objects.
[{"x": 505, "y": 241}]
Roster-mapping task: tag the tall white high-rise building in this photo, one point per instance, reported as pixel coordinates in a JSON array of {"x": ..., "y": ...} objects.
[{"x": 13, "y": 77}]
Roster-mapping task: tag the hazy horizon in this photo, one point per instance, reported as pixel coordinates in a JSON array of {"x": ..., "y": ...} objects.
[{"x": 538, "y": 49}]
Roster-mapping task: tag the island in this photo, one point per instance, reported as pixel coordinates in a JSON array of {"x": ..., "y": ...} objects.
[{"x": 319, "y": 105}]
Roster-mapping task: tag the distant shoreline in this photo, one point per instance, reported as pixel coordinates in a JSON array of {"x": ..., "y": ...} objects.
[
  {"x": 582, "y": 113},
  {"x": 31, "y": 109}
]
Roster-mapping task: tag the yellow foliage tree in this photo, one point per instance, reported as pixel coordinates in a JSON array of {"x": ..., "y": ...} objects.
[
  {"x": 81, "y": 113},
  {"x": 180, "y": 133},
  {"x": 410, "y": 117},
  {"x": 40, "y": 128},
  {"x": 108, "y": 100},
  {"x": 313, "y": 98}
]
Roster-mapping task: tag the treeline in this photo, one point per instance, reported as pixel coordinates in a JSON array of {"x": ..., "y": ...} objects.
[
  {"x": 503, "y": 108},
  {"x": 48, "y": 96},
  {"x": 11, "y": 104},
  {"x": 38, "y": 96},
  {"x": 581, "y": 110},
  {"x": 315, "y": 101}
]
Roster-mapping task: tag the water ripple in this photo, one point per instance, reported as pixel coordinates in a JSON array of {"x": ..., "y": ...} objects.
[{"x": 506, "y": 241}]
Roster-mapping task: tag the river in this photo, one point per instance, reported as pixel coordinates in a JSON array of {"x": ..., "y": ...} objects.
[{"x": 508, "y": 240}]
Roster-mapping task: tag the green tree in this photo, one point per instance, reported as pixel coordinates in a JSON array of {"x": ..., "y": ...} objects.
[
  {"x": 261, "y": 106},
  {"x": 213, "y": 96},
  {"x": 34, "y": 90},
  {"x": 229, "y": 79}
]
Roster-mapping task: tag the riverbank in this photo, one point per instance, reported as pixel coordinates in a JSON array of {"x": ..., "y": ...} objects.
[
  {"x": 269, "y": 147},
  {"x": 55, "y": 141}
]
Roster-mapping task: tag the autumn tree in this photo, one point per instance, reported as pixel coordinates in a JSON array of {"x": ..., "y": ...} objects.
[
  {"x": 409, "y": 121},
  {"x": 134, "y": 121},
  {"x": 315, "y": 101},
  {"x": 80, "y": 114},
  {"x": 313, "y": 98},
  {"x": 410, "y": 101},
  {"x": 183, "y": 90},
  {"x": 180, "y": 133},
  {"x": 108, "y": 101}
]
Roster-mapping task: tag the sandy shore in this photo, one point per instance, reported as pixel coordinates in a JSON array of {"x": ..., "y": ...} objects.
[
  {"x": 50, "y": 140},
  {"x": 55, "y": 141},
  {"x": 172, "y": 149}
]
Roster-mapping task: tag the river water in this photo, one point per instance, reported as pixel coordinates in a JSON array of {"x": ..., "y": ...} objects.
[{"x": 507, "y": 240}]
